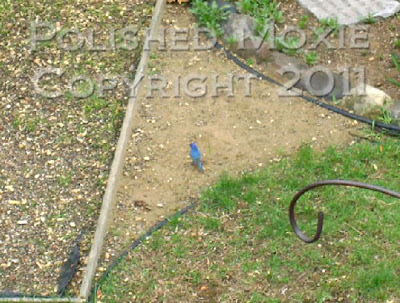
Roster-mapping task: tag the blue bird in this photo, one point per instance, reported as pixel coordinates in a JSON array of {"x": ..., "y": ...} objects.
[{"x": 196, "y": 156}]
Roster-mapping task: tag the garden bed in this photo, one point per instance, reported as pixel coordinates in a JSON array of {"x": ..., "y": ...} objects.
[{"x": 383, "y": 38}]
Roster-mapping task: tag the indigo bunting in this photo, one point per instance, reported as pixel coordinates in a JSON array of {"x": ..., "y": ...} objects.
[{"x": 196, "y": 156}]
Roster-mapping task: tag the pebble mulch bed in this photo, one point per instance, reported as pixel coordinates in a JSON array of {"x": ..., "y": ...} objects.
[{"x": 55, "y": 153}]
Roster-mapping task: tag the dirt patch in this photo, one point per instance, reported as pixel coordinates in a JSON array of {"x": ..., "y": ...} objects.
[{"x": 234, "y": 134}]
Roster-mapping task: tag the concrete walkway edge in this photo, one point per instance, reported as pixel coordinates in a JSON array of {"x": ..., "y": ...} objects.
[{"x": 118, "y": 162}]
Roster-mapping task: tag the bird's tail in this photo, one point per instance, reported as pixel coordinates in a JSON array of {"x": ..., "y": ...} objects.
[{"x": 199, "y": 165}]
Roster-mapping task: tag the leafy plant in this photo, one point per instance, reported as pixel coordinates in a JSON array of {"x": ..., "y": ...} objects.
[
  {"x": 277, "y": 16},
  {"x": 370, "y": 19},
  {"x": 231, "y": 40},
  {"x": 386, "y": 116},
  {"x": 396, "y": 43},
  {"x": 303, "y": 22},
  {"x": 263, "y": 11},
  {"x": 260, "y": 27},
  {"x": 311, "y": 58},
  {"x": 396, "y": 63},
  {"x": 279, "y": 44},
  {"x": 324, "y": 24},
  {"x": 249, "y": 61},
  {"x": 288, "y": 45},
  {"x": 210, "y": 15},
  {"x": 330, "y": 22},
  {"x": 335, "y": 101},
  {"x": 249, "y": 7},
  {"x": 317, "y": 32}
]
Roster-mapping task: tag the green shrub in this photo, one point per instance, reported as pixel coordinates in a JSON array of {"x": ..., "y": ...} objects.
[
  {"x": 311, "y": 58},
  {"x": 209, "y": 15},
  {"x": 263, "y": 11}
]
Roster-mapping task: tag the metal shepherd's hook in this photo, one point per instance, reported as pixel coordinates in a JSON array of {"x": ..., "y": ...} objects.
[{"x": 320, "y": 223}]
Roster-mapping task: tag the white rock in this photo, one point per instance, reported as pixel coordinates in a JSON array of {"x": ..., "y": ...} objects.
[{"x": 369, "y": 102}]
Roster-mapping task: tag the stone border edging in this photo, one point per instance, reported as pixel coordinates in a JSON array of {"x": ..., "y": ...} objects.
[{"x": 119, "y": 159}]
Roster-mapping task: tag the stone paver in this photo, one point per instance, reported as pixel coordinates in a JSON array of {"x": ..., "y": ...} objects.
[{"x": 351, "y": 11}]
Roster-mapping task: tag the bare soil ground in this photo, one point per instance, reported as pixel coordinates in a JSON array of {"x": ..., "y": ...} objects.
[{"x": 235, "y": 134}]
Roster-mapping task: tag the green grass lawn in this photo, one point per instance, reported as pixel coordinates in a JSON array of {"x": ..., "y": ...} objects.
[{"x": 238, "y": 245}]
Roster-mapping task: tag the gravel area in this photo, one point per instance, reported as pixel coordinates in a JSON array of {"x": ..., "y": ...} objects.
[{"x": 55, "y": 153}]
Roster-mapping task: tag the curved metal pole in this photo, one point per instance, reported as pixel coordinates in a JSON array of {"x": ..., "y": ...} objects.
[{"x": 320, "y": 223}]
